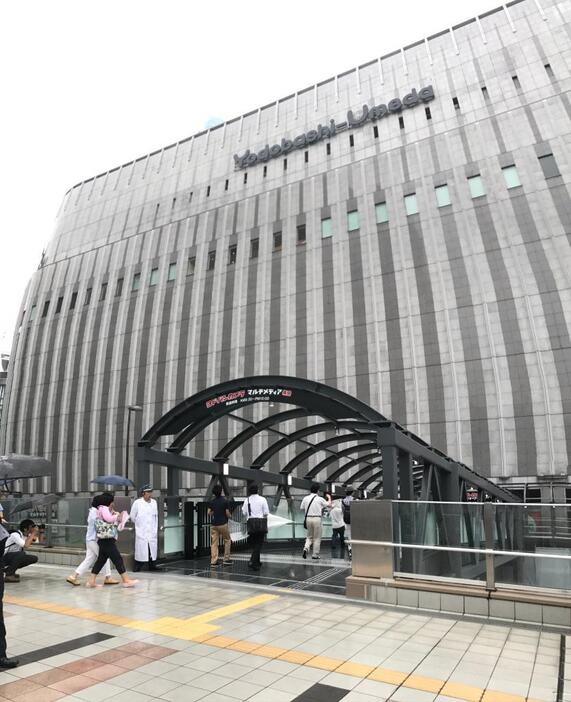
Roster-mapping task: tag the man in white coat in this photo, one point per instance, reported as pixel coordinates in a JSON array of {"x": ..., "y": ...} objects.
[{"x": 145, "y": 517}]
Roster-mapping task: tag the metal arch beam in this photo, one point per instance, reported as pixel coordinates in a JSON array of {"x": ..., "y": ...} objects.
[
  {"x": 368, "y": 458},
  {"x": 305, "y": 455},
  {"x": 364, "y": 471},
  {"x": 186, "y": 436},
  {"x": 266, "y": 423},
  {"x": 322, "y": 465},
  {"x": 226, "y": 397},
  {"x": 323, "y": 445},
  {"x": 265, "y": 456}
]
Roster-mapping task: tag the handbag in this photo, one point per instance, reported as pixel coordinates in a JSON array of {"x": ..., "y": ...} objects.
[
  {"x": 105, "y": 530},
  {"x": 256, "y": 525},
  {"x": 306, "y": 511}
]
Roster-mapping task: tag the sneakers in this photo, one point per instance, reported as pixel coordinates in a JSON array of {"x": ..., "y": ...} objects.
[
  {"x": 73, "y": 581},
  {"x": 12, "y": 578},
  {"x": 214, "y": 565},
  {"x": 316, "y": 558},
  {"x": 228, "y": 562},
  {"x": 304, "y": 553}
]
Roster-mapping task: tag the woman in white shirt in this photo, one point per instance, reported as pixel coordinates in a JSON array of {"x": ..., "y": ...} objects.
[{"x": 91, "y": 550}]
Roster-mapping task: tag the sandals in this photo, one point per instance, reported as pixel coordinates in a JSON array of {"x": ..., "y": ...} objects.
[
  {"x": 131, "y": 583},
  {"x": 110, "y": 581},
  {"x": 73, "y": 581}
]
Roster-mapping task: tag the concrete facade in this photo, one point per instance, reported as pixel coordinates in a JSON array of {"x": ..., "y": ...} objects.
[{"x": 441, "y": 297}]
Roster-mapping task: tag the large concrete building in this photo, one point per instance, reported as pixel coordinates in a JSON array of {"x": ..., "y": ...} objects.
[{"x": 400, "y": 231}]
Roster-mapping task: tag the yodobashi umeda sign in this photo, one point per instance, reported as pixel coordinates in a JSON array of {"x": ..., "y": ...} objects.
[
  {"x": 247, "y": 395},
  {"x": 367, "y": 114}
]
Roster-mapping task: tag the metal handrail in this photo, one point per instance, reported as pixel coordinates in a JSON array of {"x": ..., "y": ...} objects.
[{"x": 459, "y": 549}]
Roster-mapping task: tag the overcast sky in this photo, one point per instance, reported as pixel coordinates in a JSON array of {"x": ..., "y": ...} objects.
[{"x": 87, "y": 86}]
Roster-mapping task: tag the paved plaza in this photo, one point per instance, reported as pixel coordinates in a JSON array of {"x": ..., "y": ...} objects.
[{"x": 184, "y": 638}]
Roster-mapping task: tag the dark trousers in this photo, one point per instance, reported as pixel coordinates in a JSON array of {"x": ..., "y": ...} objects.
[
  {"x": 338, "y": 539},
  {"x": 256, "y": 542},
  {"x": 108, "y": 550},
  {"x": 138, "y": 565},
  {"x": 2, "y": 627},
  {"x": 17, "y": 559}
]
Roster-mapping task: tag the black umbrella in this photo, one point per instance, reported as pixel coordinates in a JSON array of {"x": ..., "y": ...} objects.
[
  {"x": 115, "y": 480},
  {"x": 16, "y": 466}
]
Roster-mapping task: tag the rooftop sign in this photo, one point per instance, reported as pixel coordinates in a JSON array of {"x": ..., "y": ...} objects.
[{"x": 368, "y": 114}]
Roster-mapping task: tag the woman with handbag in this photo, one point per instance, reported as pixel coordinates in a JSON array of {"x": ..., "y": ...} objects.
[
  {"x": 107, "y": 525},
  {"x": 256, "y": 511}
]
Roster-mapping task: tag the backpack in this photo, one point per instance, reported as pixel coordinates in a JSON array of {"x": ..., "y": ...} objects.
[{"x": 346, "y": 510}]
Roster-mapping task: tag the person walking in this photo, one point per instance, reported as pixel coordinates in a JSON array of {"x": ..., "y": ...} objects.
[
  {"x": 256, "y": 511},
  {"x": 219, "y": 513},
  {"x": 313, "y": 506},
  {"x": 92, "y": 549},
  {"x": 145, "y": 517},
  {"x": 346, "y": 501},
  {"x": 15, "y": 556},
  {"x": 107, "y": 523},
  {"x": 338, "y": 528}
]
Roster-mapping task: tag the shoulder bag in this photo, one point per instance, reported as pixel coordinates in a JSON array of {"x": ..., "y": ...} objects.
[
  {"x": 105, "y": 530},
  {"x": 256, "y": 525},
  {"x": 306, "y": 511}
]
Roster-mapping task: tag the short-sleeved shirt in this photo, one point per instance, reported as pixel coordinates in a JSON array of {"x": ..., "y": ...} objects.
[
  {"x": 15, "y": 542},
  {"x": 313, "y": 504},
  {"x": 219, "y": 505}
]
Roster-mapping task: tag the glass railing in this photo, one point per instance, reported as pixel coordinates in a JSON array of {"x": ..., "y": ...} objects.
[{"x": 488, "y": 544}]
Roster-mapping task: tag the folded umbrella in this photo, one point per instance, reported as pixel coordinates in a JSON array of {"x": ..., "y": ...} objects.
[
  {"x": 30, "y": 504},
  {"x": 115, "y": 480}
]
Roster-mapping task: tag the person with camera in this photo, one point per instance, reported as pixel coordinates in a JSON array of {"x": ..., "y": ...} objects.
[{"x": 15, "y": 556}]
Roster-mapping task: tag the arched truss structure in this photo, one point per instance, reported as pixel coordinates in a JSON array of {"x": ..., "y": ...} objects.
[{"x": 342, "y": 442}]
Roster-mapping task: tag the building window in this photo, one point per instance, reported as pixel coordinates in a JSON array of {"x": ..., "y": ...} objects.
[
  {"x": 549, "y": 70},
  {"x": 516, "y": 82},
  {"x": 428, "y": 113},
  {"x": 211, "y": 261},
  {"x": 173, "y": 203},
  {"x": 59, "y": 304},
  {"x": 375, "y": 132},
  {"x": 226, "y": 184},
  {"x": 245, "y": 178},
  {"x": 254, "y": 248},
  {"x": 511, "y": 177},
  {"x": 442, "y": 196},
  {"x": 455, "y": 103},
  {"x": 154, "y": 277},
  {"x": 190, "y": 196},
  {"x": 351, "y": 141},
  {"x": 103, "y": 293},
  {"x": 136, "y": 281},
  {"x": 328, "y": 149},
  {"x": 410, "y": 204},
  {"x": 277, "y": 241},
  {"x": 46, "y": 308},
  {"x": 352, "y": 220},
  {"x": 88, "y": 296},
  {"x": 172, "y": 272},
  {"x": 73, "y": 301},
  {"x": 549, "y": 166},
  {"x": 476, "y": 186},
  {"x": 119, "y": 287},
  {"x": 208, "y": 191},
  {"x": 32, "y": 313},
  {"x": 485, "y": 93},
  {"x": 191, "y": 265},
  {"x": 232, "y": 254},
  {"x": 326, "y": 228},
  {"x": 301, "y": 235},
  {"x": 306, "y": 156},
  {"x": 285, "y": 164},
  {"x": 265, "y": 171},
  {"x": 381, "y": 212},
  {"x": 401, "y": 122}
]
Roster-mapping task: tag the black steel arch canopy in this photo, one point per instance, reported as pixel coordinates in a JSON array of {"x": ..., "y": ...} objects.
[{"x": 351, "y": 419}]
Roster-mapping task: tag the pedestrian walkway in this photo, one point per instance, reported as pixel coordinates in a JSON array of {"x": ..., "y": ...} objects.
[{"x": 184, "y": 639}]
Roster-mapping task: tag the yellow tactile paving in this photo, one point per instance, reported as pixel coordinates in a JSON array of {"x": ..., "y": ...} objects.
[
  {"x": 419, "y": 682},
  {"x": 199, "y": 629}
]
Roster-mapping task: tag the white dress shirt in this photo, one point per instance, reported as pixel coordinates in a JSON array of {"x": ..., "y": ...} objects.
[
  {"x": 313, "y": 507},
  {"x": 258, "y": 507},
  {"x": 336, "y": 514}
]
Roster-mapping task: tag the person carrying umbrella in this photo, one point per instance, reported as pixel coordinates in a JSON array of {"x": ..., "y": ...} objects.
[{"x": 145, "y": 517}]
